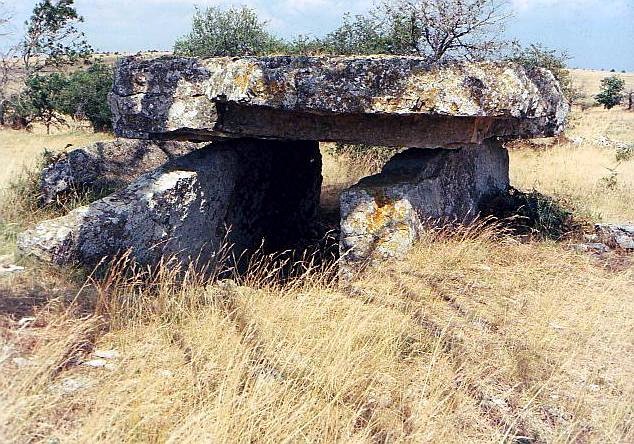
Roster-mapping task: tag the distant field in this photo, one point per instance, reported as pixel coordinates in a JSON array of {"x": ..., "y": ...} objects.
[{"x": 589, "y": 81}]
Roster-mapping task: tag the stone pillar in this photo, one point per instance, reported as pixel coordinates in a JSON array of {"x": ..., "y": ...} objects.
[
  {"x": 383, "y": 215},
  {"x": 241, "y": 190}
]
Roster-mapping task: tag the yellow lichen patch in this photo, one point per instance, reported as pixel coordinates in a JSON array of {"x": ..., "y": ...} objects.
[{"x": 386, "y": 213}]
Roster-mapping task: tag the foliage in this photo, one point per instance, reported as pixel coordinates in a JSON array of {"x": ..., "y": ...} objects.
[
  {"x": 538, "y": 56},
  {"x": 41, "y": 99},
  {"x": 52, "y": 38},
  {"x": 358, "y": 35},
  {"x": 86, "y": 96},
  {"x": 532, "y": 213},
  {"x": 442, "y": 30},
  {"x": 231, "y": 32},
  {"x": 611, "y": 91},
  {"x": 437, "y": 30},
  {"x": 82, "y": 94}
]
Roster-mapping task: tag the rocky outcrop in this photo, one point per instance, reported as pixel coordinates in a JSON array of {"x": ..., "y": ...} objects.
[
  {"x": 240, "y": 191},
  {"x": 383, "y": 215},
  {"x": 379, "y": 100},
  {"x": 616, "y": 236},
  {"x": 104, "y": 167}
]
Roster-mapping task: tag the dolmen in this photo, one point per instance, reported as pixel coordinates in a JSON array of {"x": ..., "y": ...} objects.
[{"x": 250, "y": 170}]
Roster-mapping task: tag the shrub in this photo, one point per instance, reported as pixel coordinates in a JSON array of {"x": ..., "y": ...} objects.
[
  {"x": 231, "y": 32},
  {"x": 82, "y": 94},
  {"x": 625, "y": 153},
  {"x": 611, "y": 91},
  {"x": 86, "y": 96},
  {"x": 41, "y": 99}
]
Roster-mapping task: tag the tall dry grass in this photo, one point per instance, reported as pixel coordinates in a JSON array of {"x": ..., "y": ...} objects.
[{"x": 474, "y": 337}]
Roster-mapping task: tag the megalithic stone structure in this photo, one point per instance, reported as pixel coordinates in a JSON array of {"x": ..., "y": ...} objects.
[{"x": 272, "y": 111}]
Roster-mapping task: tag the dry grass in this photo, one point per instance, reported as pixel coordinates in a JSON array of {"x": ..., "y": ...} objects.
[
  {"x": 474, "y": 337},
  {"x": 586, "y": 175},
  {"x": 19, "y": 149}
]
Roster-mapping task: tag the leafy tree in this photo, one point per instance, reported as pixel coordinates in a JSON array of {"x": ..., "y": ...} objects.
[
  {"x": 611, "y": 91},
  {"x": 85, "y": 95},
  {"x": 41, "y": 99},
  {"x": 231, "y": 32},
  {"x": 52, "y": 37},
  {"x": 358, "y": 35},
  {"x": 538, "y": 56}
]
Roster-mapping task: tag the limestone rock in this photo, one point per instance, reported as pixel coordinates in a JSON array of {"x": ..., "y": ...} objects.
[
  {"x": 383, "y": 215},
  {"x": 253, "y": 190},
  {"x": 616, "y": 236},
  {"x": 107, "y": 166},
  {"x": 379, "y": 100}
]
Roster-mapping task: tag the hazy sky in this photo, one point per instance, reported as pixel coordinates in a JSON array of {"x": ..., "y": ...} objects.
[{"x": 598, "y": 34}]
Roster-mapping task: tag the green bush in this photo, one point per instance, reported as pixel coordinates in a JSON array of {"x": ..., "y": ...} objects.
[
  {"x": 611, "y": 92},
  {"x": 86, "y": 96},
  {"x": 218, "y": 32},
  {"x": 41, "y": 99},
  {"x": 47, "y": 98}
]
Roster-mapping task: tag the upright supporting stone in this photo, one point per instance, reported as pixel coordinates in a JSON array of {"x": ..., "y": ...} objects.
[
  {"x": 383, "y": 215},
  {"x": 242, "y": 191}
]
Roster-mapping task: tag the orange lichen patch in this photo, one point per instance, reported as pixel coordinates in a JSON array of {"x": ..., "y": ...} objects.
[{"x": 387, "y": 213}]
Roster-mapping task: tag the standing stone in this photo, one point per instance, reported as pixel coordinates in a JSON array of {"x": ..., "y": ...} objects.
[
  {"x": 383, "y": 215},
  {"x": 240, "y": 191},
  {"x": 104, "y": 167}
]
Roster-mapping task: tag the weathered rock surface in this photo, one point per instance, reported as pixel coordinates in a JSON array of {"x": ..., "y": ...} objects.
[
  {"x": 104, "y": 167},
  {"x": 616, "y": 236},
  {"x": 380, "y": 100},
  {"x": 383, "y": 215},
  {"x": 241, "y": 191}
]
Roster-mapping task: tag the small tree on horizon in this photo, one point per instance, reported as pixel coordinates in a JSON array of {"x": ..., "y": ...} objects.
[{"x": 611, "y": 94}]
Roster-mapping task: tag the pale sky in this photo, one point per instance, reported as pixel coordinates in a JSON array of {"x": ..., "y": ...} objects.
[{"x": 598, "y": 34}]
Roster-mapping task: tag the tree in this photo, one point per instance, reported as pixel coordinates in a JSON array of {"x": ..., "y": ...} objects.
[
  {"x": 358, "y": 35},
  {"x": 85, "y": 95},
  {"x": 6, "y": 62},
  {"x": 52, "y": 37},
  {"x": 442, "y": 30},
  {"x": 611, "y": 91},
  {"x": 538, "y": 56},
  {"x": 231, "y": 32},
  {"x": 41, "y": 99}
]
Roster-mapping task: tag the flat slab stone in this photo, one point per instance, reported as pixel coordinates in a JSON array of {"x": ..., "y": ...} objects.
[
  {"x": 379, "y": 100},
  {"x": 384, "y": 215}
]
